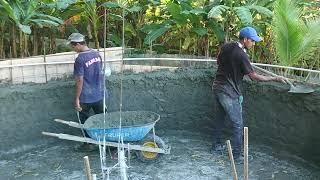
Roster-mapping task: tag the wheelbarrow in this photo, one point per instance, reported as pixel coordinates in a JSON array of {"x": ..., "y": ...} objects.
[{"x": 103, "y": 129}]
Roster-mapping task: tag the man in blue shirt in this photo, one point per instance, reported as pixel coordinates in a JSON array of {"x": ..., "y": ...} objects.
[
  {"x": 89, "y": 78},
  {"x": 233, "y": 65}
]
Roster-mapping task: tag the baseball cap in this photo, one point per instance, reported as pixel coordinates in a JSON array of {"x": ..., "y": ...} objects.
[
  {"x": 76, "y": 37},
  {"x": 249, "y": 32}
]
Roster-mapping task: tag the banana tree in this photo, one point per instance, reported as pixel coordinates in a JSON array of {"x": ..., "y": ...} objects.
[
  {"x": 26, "y": 14},
  {"x": 176, "y": 21},
  {"x": 60, "y": 9},
  {"x": 294, "y": 38},
  {"x": 90, "y": 13},
  {"x": 2, "y": 33},
  {"x": 3, "y": 20},
  {"x": 134, "y": 14}
]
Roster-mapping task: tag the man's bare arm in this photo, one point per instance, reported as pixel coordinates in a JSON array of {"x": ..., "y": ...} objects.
[
  {"x": 258, "y": 77},
  {"x": 79, "y": 84}
]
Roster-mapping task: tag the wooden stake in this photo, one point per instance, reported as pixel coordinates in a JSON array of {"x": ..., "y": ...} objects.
[
  {"x": 94, "y": 177},
  {"x": 246, "y": 163},
  {"x": 87, "y": 167},
  {"x": 233, "y": 166}
]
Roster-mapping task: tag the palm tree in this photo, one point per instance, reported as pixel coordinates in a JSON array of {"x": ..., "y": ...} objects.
[{"x": 294, "y": 38}]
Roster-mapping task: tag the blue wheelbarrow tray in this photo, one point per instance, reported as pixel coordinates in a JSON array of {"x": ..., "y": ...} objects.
[{"x": 135, "y": 125}]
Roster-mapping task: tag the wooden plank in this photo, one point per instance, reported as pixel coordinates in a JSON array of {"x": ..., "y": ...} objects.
[
  {"x": 165, "y": 150},
  {"x": 69, "y": 123}
]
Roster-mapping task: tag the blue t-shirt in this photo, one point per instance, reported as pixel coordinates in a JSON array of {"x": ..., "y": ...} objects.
[{"x": 89, "y": 65}]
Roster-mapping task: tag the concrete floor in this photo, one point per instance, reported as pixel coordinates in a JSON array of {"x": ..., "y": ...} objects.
[{"x": 190, "y": 159}]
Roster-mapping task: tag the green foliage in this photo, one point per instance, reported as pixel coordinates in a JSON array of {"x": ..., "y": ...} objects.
[
  {"x": 110, "y": 4},
  {"x": 200, "y": 31},
  {"x": 175, "y": 10},
  {"x": 11, "y": 13},
  {"x": 294, "y": 38},
  {"x": 217, "y": 30},
  {"x": 237, "y": 14},
  {"x": 217, "y": 11},
  {"x": 244, "y": 14},
  {"x": 155, "y": 33},
  {"x": 28, "y": 13},
  {"x": 178, "y": 26},
  {"x": 262, "y": 10}
]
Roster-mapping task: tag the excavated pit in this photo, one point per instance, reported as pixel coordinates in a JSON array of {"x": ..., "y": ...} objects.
[{"x": 284, "y": 136}]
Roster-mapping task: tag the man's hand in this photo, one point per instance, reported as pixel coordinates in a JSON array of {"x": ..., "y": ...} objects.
[
  {"x": 77, "y": 105},
  {"x": 281, "y": 79}
]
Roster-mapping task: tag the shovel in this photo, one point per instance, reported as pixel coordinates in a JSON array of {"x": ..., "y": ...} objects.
[{"x": 299, "y": 89}]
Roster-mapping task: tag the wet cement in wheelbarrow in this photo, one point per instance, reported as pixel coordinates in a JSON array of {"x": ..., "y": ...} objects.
[
  {"x": 128, "y": 119},
  {"x": 283, "y": 129}
]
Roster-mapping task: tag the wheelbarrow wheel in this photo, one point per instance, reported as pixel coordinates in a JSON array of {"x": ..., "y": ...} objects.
[{"x": 150, "y": 141}]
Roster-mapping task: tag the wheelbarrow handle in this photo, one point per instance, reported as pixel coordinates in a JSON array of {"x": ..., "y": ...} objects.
[{"x": 69, "y": 123}]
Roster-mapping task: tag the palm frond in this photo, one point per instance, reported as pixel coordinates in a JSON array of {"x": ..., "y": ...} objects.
[
  {"x": 311, "y": 37},
  {"x": 289, "y": 31}
]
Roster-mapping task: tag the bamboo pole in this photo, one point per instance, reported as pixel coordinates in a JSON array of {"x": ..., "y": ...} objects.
[
  {"x": 246, "y": 163},
  {"x": 233, "y": 166},
  {"x": 87, "y": 168}
]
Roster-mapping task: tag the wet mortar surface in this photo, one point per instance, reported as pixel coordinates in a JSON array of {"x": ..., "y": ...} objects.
[
  {"x": 128, "y": 118},
  {"x": 190, "y": 159}
]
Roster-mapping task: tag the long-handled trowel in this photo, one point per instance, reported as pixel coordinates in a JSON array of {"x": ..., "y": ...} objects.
[{"x": 297, "y": 88}]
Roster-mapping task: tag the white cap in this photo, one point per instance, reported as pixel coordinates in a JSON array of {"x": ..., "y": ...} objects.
[{"x": 76, "y": 37}]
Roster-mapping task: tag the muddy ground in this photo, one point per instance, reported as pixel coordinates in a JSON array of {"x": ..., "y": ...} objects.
[
  {"x": 284, "y": 137},
  {"x": 189, "y": 159}
]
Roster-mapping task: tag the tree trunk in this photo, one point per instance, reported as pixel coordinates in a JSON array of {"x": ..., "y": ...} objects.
[
  {"x": 2, "y": 31},
  {"x": 95, "y": 34},
  {"x": 14, "y": 44},
  {"x": 35, "y": 42},
  {"x": 96, "y": 40},
  {"x": 107, "y": 31},
  {"x": 40, "y": 39},
  {"x": 53, "y": 44},
  {"x": 21, "y": 43},
  {"x": 26, "y": 50},
  {"x": 2, "y": 52}
]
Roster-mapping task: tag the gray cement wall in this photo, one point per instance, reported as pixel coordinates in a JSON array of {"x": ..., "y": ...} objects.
[{"x": 284, "y": 122}]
